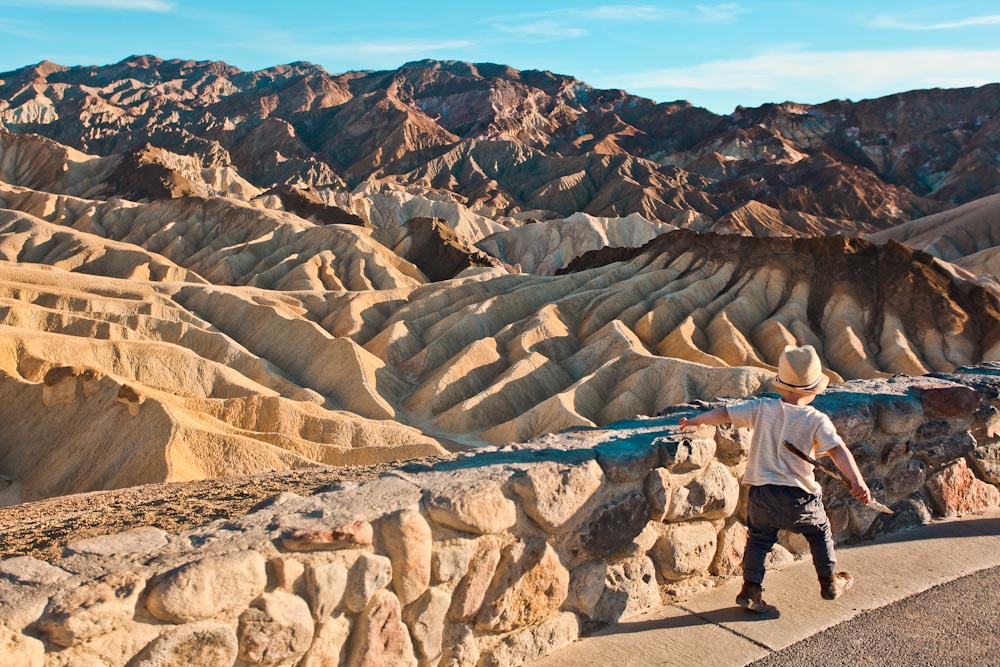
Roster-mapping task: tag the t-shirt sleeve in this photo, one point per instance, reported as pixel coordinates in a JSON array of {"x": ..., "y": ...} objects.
[
  {"x": 826, "y": 435},
  {"x": 743, "y": 415}
]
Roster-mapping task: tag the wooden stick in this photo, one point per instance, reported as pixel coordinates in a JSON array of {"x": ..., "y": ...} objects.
[
  {"x": 874, "y": 504},
  {"x": 816, "y": 464}
]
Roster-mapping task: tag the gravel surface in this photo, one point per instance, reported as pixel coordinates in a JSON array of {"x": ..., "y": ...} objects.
[
  {"x": 957, "y": 623},
  {"x": 42, "y": 528}
]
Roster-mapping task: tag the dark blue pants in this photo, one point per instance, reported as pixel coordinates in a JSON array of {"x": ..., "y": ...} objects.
[{"x": 772, "y": 508}]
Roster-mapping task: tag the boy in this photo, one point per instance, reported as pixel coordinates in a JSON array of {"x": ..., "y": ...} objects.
[{"x": 784, "y": 494}]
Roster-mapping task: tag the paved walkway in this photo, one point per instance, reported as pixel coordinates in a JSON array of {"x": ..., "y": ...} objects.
[
  {"x": 710, "y": 630},
  {"x": 956, "y": 624}
]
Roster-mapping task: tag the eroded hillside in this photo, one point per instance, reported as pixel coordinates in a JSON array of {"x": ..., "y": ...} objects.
[
  {"x": 178, "y": 379},
  {"x": 968, "y": 236}
]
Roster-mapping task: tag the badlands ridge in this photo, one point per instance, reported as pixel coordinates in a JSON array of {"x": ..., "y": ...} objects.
[{"x": 207, "y": 272}]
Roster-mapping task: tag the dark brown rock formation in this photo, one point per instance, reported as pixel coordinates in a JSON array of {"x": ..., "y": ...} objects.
[{"x": 505, "y": 141}]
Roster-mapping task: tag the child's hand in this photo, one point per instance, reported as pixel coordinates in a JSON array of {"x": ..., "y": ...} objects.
[
  {"x": 684, "y": 423},
  {"x": 862, "y": 493}
]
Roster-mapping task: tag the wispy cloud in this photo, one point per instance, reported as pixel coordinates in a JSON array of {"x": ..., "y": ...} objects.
[
  {"x": 22, "y": 29},
  {"x": 896, "y": 22},
  {"x": 820, "y": 75},
  {"x": 541, "y": 30},
  {"x": 573, "y": 22},
  {"x": 625, "y": 13},
  {"x": 724, "y": 13},
  {"x": 118, "y": 5},
  {"x": 538, "y": 27}
]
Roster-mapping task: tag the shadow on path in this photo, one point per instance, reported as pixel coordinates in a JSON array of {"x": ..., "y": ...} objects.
[{"x": 690, "y": 619}]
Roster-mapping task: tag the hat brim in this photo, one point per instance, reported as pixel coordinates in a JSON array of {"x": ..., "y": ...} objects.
[{"x": 816, "y": 388}]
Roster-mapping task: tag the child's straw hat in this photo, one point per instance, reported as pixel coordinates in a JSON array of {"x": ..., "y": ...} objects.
[{"x": 800, "y": 370}]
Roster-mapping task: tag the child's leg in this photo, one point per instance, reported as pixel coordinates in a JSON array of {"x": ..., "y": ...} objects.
[
  {"x": 821, "y": 545},
  {"x": 761, "y": 536}
]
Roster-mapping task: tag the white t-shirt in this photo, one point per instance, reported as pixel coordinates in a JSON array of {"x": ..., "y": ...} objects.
[{"x": 773, "y": 422}]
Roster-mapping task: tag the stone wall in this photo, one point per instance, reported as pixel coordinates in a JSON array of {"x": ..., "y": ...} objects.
[{"x": 491, "y": 559}]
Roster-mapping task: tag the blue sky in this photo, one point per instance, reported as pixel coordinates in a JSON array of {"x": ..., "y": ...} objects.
[{"x": 715, "y": 54}]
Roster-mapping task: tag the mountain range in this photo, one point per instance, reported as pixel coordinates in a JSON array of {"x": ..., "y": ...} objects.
[{"x": 505, "y": 142}]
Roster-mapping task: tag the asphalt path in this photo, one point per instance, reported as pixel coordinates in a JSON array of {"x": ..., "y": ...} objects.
[{"x": 957, "y": 623}]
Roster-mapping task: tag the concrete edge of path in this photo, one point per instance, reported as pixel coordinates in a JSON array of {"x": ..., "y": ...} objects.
[{"x": 710, "y": 630}]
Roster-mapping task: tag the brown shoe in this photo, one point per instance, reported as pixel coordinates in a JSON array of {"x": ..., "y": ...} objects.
[
  {"x": 750, "y": 597},
  {"x": 831, "y": 588}
]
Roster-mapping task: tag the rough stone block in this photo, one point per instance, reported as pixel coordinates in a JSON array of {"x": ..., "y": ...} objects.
[
  {"x": 795, "y": 543},
  {"x": 276, "y": 630},
  {"x": 477, "y": 507},
  {"x": 406, "y": 537},
  {"x": 938, "y": 429},
  {"x": 955, "y": 491},
  {"x": 853, "y": 420},
  {"x": 529, "y": 586},
  {"x": 471, "y": 590},
  {"x": 369, "y": 574},
  {"x": 426, "y": 620},
  {"x": 841, "y": 520},
  {"x": 135, "y": 542},
  {"x": 191, "y": 645},
  {"x": 328, "y": 645},
  {"x": 732, "y": 445},
  {"x": 370, "y": 499},
  {"x": 31, "y": 571},
  {"x": 325, "y": 584},
  {"x": 79, "y": 614},
  {"x": 301, "y": 533},
  {"x": 987, "y": 421},
  {"x": 685, "y": 549},
  {"x": 682, "y": 589},
  {"x": 680, "y": 455},
  {"x": 909, "y": 513},
  {"x": 623, "y": 461},
  {"x": 732, "y": 542},
  {"x": 533, "y": 642},
  {"x": 205, "y": 588},
  {"x": 936, "y": 453},
  {"x": 893, "y": 452},
  {"x": 985, "y": 461},
  {"x": 711, "y": 493},
  {"x": 630, "y": 588},
  {"x": 116, "y": 647},
  {"x": 898, "y": 414},
  {"x": 380, "y": 639},
  {"x": 645, "y": 540},
  {"x": 22, "y": 605},
  {"x": 17, "y": 650},
  {"x": 450, "y": 560},
  {"x": 460, "y": 648},
  {"x": 948, "y": 401},
  {"x": 553, "y": 494},
  {"x": 287, "y": 573},
  {"x": 586, "y": 586},
  {"x": 778, "y": 558},
  {"x": 612, "y": 527},
  {"x": 906, "y": 477},
  {"x": 658, "y": 488}
]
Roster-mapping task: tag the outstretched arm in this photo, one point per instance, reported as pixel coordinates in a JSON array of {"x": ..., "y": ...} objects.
[
  {"x": 714, "y": 417},
  {"x": 845, "y": 462}
]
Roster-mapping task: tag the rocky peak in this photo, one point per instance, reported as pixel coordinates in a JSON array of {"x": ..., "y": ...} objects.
[{"x": 141, "y": 61}]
